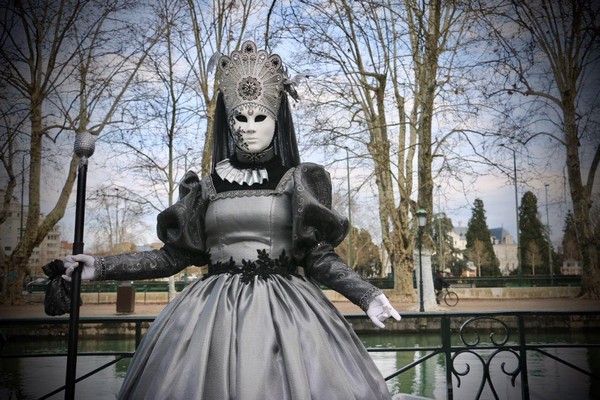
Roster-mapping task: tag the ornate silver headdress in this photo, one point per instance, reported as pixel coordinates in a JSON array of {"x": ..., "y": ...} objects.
[{"x": 254, "y": 79}]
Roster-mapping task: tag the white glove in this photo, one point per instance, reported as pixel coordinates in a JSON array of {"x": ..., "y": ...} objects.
[
  {"x": 72, "y": 262},
  {"x": 380, "y": 309}
]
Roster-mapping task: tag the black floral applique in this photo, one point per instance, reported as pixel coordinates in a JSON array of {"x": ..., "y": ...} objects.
[
  {"x": 220, "y": 268},
  {"x": 264, "y": 267}
]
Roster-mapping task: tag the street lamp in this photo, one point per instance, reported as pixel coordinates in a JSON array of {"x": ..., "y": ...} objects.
[
  {"x": 22, "y": 196},
  {"x": 549, "y": 242},
  {"x": 349, "y": 210},
  {"x": 185, "y": 171},
  {"x": 519, "y": 271},
  {"x": 117, "y": 239},
  {"x": 422, "y": 219}
]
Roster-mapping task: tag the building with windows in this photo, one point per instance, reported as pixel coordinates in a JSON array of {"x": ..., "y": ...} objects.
[
  {"x": 51, "y": 247},
  {"x": 505, "y": 249},
  {"x": 571, "y": 267},
  {"x": 459, "y": 237},
  {"x": 503, "y": 243}
]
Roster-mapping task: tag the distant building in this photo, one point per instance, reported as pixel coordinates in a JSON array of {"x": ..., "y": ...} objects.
[
  {"x": 49, "y": 249},
  {"x": 470, "y": 271},
  {"x": 505, "y": 249},
  {"x": 504, "y": 246},
  {"x": 459, "y": 237},
  {"x": 571, "y": 267}
]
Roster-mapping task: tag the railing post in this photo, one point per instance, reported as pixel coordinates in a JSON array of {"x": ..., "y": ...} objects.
[
  {"x": 138, "y": 333},
  {"x": 523, "y": 359},
  {"x": 447, "y": 349}
]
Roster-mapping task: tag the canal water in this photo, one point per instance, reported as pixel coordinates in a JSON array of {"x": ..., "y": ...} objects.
[{"x": 33, "y": 377}]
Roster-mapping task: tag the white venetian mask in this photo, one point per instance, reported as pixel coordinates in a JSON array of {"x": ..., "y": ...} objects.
[{"x": 252, "y": 131}]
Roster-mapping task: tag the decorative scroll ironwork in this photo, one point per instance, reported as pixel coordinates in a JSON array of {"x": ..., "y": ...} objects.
[
  {"x": 484, "y": 353},
  {"x": 502, "y": 325},
  {"x": 486, "y": 365},
  {"x": 486, "y": 361}
]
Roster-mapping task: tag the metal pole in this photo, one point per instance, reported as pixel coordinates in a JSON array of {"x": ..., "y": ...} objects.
[
  {"x": 441, "y": 243},
  {"x": 519, "y": 270},
  {"x": 185, "y": 170},
  {"x": 84, "y": 148},
  {"x": 549, "y": 242},
  {"x": 421, "y": 306},
  {"x": 22, "y": 197},
  {"x": 117, "y": 238},
  {"x": 349, "y": 210}
]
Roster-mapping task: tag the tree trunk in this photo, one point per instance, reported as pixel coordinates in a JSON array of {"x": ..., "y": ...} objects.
[{"x": 582, "y": 202}]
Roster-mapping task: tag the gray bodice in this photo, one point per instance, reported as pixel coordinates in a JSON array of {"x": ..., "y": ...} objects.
[
  {"x": 209, "y": 227},
  {"x": 237, "y": 224}
]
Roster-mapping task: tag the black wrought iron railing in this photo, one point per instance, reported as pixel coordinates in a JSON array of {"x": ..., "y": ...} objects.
[
  {"x": 516, "y": 281},
  {"x": 382, "y": 283},
  {"x": 468, "y": 341}
]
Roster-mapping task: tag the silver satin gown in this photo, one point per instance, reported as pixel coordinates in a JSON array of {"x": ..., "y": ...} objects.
[{"x": 249, "y": 336}]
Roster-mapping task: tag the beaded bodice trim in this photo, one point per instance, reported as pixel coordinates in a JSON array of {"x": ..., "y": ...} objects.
[
  {"x": 264, "y": 267},
  {"x": 213, "y": 195}
]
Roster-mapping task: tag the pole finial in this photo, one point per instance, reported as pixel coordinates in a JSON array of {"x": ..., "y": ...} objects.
[{"x": 85, "y": 144}]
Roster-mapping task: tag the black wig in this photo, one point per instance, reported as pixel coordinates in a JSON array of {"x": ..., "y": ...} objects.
[{"x": 284, "y": 140}]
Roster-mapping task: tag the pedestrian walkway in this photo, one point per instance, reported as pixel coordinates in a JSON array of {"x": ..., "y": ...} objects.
[{"x": 345, "y": 307}]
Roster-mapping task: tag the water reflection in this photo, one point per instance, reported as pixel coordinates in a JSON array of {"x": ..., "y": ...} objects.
[
  {"x": 30, "y": 378},
  {"x": 547, "y": 379}
]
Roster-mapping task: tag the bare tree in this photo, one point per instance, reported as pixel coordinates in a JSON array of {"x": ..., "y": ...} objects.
[
  {"x": 374, "y": 92},
  {"x": 548, "y": 52},
  {"x": 66, "y": 65},
  {"x": 533, "y": 256},
  {"x": 479, "y": 254},
  {"x": 114, "y": 217}
]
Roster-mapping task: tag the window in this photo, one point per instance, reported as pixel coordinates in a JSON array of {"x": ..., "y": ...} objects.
[{"x": 7, "y": 248}]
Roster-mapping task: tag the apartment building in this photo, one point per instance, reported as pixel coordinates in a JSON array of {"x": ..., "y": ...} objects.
[{"x": 52, "y": 247}]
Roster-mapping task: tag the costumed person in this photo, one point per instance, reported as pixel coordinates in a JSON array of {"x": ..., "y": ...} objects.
[{"x": 257, "y": 326}]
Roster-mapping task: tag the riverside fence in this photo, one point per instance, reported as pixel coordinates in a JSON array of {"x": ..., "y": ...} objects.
[
  {"x": 496, "y": 344},
  {"x": 39, "y": 286}
]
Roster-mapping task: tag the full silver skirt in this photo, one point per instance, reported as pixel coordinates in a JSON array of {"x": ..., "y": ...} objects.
[{"x": 271, "y": 339}]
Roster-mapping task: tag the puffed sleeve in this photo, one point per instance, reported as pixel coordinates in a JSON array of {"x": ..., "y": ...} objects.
[
  {"x": 317, "y": 230},
  {"x": 179, "y": 227},
  {"x": 182, "y": 224}
]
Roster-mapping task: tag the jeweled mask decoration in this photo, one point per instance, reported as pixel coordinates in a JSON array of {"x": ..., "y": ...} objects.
[{"x": 251, "y": 80}]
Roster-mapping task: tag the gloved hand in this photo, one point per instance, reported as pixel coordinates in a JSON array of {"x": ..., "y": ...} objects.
[
  {"x": 72, "y": 262},
  {"x": 380, "y": 309}
]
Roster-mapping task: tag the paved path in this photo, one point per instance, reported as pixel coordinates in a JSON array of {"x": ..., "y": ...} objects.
[{"x": 551, "y": 304}]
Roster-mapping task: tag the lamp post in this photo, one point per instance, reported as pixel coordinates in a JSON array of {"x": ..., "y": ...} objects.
[
  {"x": 185, "y": 170},
  {"x": 519, "y": 271},
  {"x": 117, "y": 239},
  {"x": 442, "y": 260},
  {"x": 422, "y": 219},
  {"x": 549, "y": 242},
  {"x": 349, "y": 210},
  {"x": 22, "y": 196}
]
